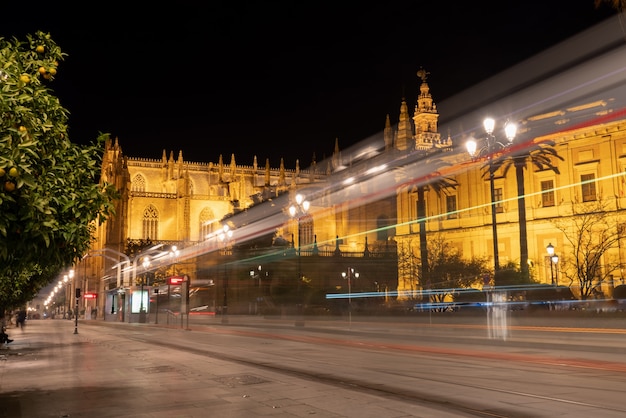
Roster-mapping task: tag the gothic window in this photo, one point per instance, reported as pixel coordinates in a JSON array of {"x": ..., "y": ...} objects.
[
  {"x": 547, "y": 193},
  {"x": 498, "y": 197},
  {"x": 139, "y": 183},
  {"x": 588, "y": 187},
  {"x": 451, "y": 207},
  {"x": 207, "y": 223},
  {"x": 150, "y": 223}
]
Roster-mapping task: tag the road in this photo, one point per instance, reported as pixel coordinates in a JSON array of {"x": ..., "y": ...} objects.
[{"x": 438, "y": 365}]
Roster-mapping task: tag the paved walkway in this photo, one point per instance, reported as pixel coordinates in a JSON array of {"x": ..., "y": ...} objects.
[{"x": 51, "y": 371}]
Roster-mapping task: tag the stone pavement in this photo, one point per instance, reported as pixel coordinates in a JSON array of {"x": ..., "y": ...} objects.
[{"x": 51, "y": 371}]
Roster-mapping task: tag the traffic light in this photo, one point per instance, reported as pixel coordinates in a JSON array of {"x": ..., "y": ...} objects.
[{"x": 77, "y": 293}]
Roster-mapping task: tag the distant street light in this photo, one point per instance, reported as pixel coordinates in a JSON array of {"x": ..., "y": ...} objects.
[
  {"x": 349, "y": 275},
  {"x": 297, "y": 211},
  {"x": 225, "y": 235},
  {"x": 554, "y": 259},
  {"x": 142, "y": 310},
  {"x": 173, "y": 254},
  {"x": 257, "y": 284},
  {"x": 69, "y": 279}
]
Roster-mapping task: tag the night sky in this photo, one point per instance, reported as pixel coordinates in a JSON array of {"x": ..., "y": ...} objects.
[{"x": 276, "y": 79}]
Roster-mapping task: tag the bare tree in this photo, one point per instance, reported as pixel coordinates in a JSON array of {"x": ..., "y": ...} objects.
[
  {"x": 591, "y": 233},
  {"x": 408, "y": 270},
  {"x": 449, "y": 271}
]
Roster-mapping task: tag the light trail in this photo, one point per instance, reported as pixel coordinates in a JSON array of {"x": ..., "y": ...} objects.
[{"x": 589, "y": 68}]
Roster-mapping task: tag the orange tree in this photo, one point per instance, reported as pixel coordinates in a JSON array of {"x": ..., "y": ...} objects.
[{"x": 51, "y": 196}]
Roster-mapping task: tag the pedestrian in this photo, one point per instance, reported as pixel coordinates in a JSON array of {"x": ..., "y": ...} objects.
[
  {"x": 4, "y": 337},
  {"x": 21, "y": 318}
]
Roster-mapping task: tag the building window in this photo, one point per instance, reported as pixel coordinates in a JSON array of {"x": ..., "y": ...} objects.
[
  {"x": 547, "y": 193},
  {"x": 588, "y": 187},
  {"x": 150, "y": 223},
  {"x": 497, "y": 197},
  {"x": 207, "y": 222},
  {"x": 305, "y": 230},
  {"x": 139, "y": 183},
  {"x": 451, "y": 207}
]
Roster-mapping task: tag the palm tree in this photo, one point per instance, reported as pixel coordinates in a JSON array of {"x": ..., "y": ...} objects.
[
  {"x": 540, "y": 155},
  {"x": 440, "y": 185}
]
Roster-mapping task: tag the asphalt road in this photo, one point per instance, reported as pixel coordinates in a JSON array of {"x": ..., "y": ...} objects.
[{"x": 431, "y": 365}]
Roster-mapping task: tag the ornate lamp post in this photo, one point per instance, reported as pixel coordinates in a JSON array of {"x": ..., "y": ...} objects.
[
  {"x": 173, "y": 254},
  {"x": 225, "y": 236},
  {"x": 492, "y": 145},
  {"x": 69, "y": 279},
  {"x": 297, "y": 211},
  {"x": 349, "y": 275},
  {"x": 554, "y": 259},
  {"x": 257, "y": 284},
  {"x": 142, "y": 310}
]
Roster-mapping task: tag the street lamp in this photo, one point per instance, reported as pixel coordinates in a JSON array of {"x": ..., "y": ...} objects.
[
  {"x": 257, "y": 285},
  {"x": 225, "y": 235},
  {"x": 554, "y": 259},
  {"x": 492, "y": 145},
  {"x": 174, "y": 252},
  {"x": 297, "y": 211},
  {"x": 68, "y": 292},
  {"x": 142, "y": 310},
  {"x": 349, "y": 275},
  {"x": 68, "y": 278}
]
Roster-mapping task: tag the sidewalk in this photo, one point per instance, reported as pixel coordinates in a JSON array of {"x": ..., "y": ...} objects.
[{"x": 50, "y": 371}]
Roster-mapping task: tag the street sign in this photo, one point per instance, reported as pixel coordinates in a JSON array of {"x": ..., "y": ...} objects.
[{"x": 89, "y": 295}]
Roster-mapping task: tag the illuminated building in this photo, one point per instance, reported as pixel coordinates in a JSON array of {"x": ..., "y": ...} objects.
[{"x": 367, "y": 200}]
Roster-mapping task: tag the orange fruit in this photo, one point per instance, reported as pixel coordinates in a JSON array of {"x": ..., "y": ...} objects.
[
  {"x": 2, "y": 172},
  {"x": 40, "y": 49},
  {"x": 25, "y": 78},
  {"x": 52, "y": 70},
  {"x": 9, "y": 186},
  {"x": 42, "y": 70},
  {"x": 13, "y": 172}
]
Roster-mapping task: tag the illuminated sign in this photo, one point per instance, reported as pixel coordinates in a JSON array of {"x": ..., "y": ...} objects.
[{"x": 175, "y": 280}]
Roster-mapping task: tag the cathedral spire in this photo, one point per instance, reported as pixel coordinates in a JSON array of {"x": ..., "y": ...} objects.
[
  {"x": 281, "y": 173},
  {"x": 405, "y": 130},
  {"x": 388, "y": 134},
  {"x": 336, "y": 162},
  {"x": 220, "y": 168}
]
